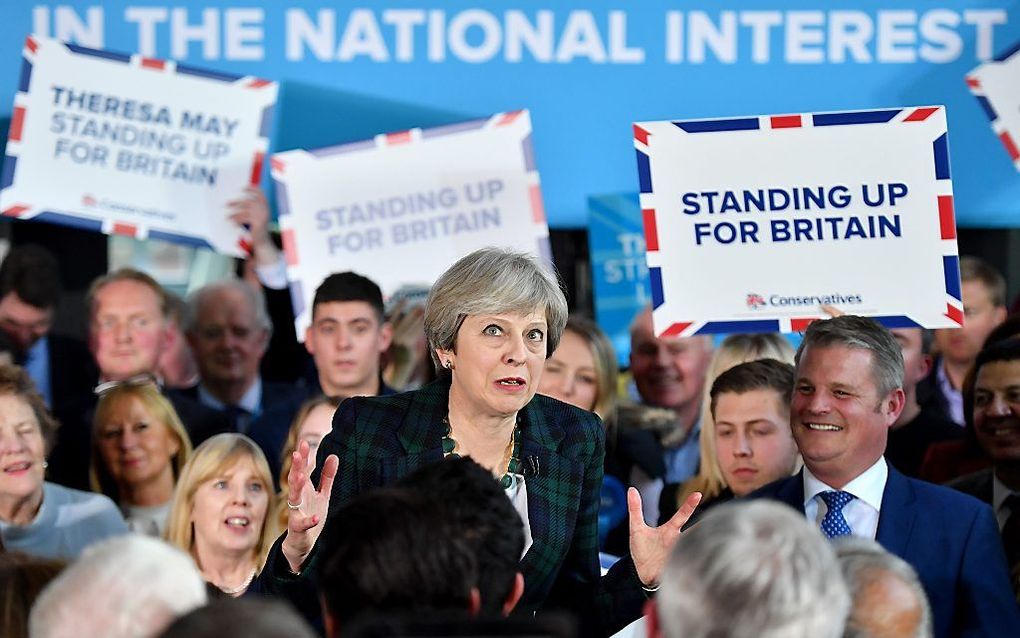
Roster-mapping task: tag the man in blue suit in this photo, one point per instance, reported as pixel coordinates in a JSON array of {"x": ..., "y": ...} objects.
[{"x": 848, "y": 392}]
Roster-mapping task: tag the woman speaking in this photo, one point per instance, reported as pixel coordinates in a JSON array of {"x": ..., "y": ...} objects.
[{"x": 491, "y": 320}]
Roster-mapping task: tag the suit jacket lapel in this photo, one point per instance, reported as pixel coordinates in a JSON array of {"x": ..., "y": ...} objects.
[
  {"x": 896, "y": 520},
  {"x": 554, "y": 491},
  {"x": 791, "y": 492}
]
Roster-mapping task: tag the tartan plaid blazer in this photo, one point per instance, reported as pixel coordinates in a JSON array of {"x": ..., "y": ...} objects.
[{"x": 380, "y": 439}]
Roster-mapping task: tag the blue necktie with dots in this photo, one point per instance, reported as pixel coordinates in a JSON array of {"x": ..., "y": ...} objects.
[{"x": 833, "y": 524}]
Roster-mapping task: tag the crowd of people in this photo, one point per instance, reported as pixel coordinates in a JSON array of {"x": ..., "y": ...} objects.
[{"x": 438, "y": 466}]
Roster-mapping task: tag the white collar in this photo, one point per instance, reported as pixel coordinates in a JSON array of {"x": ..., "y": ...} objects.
[{"x": 868, "y": 486}]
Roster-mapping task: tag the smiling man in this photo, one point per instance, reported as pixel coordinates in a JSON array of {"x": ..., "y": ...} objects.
[
  {"x": 848, "y": 392},
  {"x": 994, "y": 415}
]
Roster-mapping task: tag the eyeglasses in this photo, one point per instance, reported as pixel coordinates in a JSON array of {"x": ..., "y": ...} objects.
[{"x": 132, "y": 382}]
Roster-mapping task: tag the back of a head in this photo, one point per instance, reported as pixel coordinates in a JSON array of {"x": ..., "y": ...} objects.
[
  {"x": 111, "y": 591},
  {"x": 33, "y": 274},
  {"x": 248, "y": 617},
  {"x": 888, "y": 598},
  {"x": 752, "y": 569},
  {"x": 481, "y": 516},
  {"x": 392, "y": 550}
]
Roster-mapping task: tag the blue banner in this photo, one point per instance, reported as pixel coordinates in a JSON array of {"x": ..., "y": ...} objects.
[{"x": 586, "y": 70}]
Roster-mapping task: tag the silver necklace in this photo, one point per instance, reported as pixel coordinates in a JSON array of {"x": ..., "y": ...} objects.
[{"x": 237, "y": 590}]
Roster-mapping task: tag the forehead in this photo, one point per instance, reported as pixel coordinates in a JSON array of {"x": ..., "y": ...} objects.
[
  {"x": 750, "y": 404},
  {"x": 126, "y": 296},
  {"x": 998, "y": 373},
  {"x": 975, "y": 291},
  {"x": 14, "y": 409},
  {"x": 536, "y": 316},
  {"x": 836, "y": 364},
  {"x": 242, "y": 465},
  {"x": 344, "y": 311},
  {"x": 225, "y": 305},
  {"x": 909, "y": 337}
]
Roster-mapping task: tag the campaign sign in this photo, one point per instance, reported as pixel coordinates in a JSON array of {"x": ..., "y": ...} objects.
[
  {"x": 405, "y": 206},
  {"x": 136, "y": 146},
  {"x": 753, "y": 223},
  {"x": 616, "y": 243},
  {"x": 996, "y": 85}
]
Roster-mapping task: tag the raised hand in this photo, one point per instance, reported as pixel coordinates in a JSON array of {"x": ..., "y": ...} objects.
[
  {"x": 308, "y": 506},
  {"x": 650, "y": 546},
  {"x": 252, "y": 212}
]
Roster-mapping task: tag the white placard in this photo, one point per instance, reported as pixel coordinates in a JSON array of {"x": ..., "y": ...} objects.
[
  {"x": 403, "y": 207},
  {"x": 136, "y": 146},
  {"x": 996, "y": 85},
  {"x": 753, "y": 223}
]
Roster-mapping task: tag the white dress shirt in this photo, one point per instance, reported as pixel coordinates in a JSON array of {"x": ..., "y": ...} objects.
[{"x": 862, "y": 513}]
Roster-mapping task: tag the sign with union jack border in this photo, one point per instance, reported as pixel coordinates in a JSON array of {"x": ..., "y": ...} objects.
[
  {"x": 996, "y": 85},
  {"x": 136, "y": 146},
  {"x": 403, "y": 207},
  {"x": 753, "y": 223}
]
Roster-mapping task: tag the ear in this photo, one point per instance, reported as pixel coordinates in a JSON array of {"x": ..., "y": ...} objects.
[
  {"x": 308, "y": 341},
  {"x": 169, "y": 337},
  {"x": 175, "y": 443},
  {"x": 385, "y": 336},
  {"x": 514, "y": 597},
  {"x": 444, "y": 355},
  {"x": 474, "y": 602},
  {"x": 1000, "y": 314},
  {"x": 927, "y": 363},
  {"x": 652, "y": 622},
  {"x": 894, "y": 403}
]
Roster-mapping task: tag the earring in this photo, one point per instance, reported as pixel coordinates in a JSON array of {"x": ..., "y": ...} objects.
[
  {"x": 45, "y": 465},
  {"x": 448, "y": 364}
]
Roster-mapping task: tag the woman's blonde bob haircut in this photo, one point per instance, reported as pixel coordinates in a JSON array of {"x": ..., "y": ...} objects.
[
  {"x": 211, "y": 459},
  {"x": 492, "y": 281},
  {"x": 161, "y": 411}
]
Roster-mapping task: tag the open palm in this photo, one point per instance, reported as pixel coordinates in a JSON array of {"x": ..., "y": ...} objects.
[{"x": 650, "y": 546}]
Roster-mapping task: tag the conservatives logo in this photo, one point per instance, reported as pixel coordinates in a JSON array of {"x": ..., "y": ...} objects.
[{"x": 755, "y": 301}]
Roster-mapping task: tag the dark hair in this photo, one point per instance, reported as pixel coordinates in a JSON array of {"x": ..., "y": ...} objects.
[
  {"x": 391, "y": 550},
  {"x": 1008, "y": 328},
  {"x": 256, "y": 617},
  {"x": 32, "y": 273},
  {"x": 481, "y": 516},
  {"x": 350, "y": 286},
  {"x": 761, "y": 374},
  {"x": 22, "y": 579},
  {"x": 1006, "y": 350}
]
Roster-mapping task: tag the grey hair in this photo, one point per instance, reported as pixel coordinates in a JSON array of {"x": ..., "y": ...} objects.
[
  {"x": 752, "y": 569},
  {"x": 863, "y": 333},
  {"x": 492, "y": 281},
  {"x": 252, "y": 295},
  {"x": 110, "y": 591},
  {"x": 864, "y": 562}
]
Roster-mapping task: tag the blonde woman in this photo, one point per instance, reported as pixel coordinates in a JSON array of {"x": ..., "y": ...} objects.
[
  {"x": 314, "y": 419},
  {"x": 583, "y": 370},
  {"x": 139, "y": 448},
  {"x": 734, "y": 350},
  {"x": 220, "y": 511}
]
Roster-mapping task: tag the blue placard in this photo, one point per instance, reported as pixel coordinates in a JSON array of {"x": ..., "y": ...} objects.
[
  {"x": 586, "y": 70},
  {"x": 616, "y": 242}
]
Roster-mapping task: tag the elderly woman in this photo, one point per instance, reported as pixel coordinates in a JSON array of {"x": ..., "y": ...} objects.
[
  {"x": 36, "y": 517},
  {"x": 139, "y": 447},
  {"x": 491, "y": 321},
  {"x": 220, "y": 511}
]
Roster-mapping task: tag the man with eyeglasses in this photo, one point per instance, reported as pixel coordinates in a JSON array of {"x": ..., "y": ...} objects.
[{"x": 128, "y": 331}]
